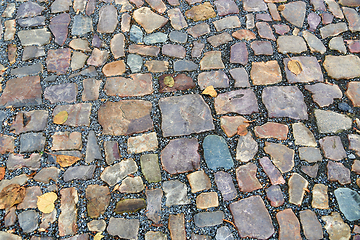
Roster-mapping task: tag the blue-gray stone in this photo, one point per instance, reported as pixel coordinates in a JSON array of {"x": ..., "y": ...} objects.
[
  {"x": 209, "y": 219},
  {"x": 82, "y": 25},
  {"x": 28, "y": 220},
  {"x": 135, "y": 62},
  {"x": 3, "y": 116},
  {"x": 224, "y": 233},
  {"x": 157, "y": 37},
  {"x": 216, "y": 153},
  {"x": 185, "y": 65},
  {"x": 349, "y": 203},
  {"x": 136, "y": 34},
  {"x": 179, "y": 37},
  {"x": 32, "y": 21},
  {"x": 32, "y": 142},
  {"x": 30, "y": 70},
  {"x": 79, "y": 173}
]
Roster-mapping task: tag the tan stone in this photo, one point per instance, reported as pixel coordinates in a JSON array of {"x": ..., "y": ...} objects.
[
  {"x": 207, "y": 200},
  {"x": 265, "y": 73},
  {"x": 211, "y": 60},
  {"x": 201, "y": 12},
  {"x": 297, "y": 185},
  {"x": 320, "y": 197},
  {"x": 289, "y": 225},
  {"x": 142, "y": 143},
  {"x": 336, "y": 227},
  {"x": 157, "y": 66},
  {"x": 66, "y": 141},
  {"x": 114, "y": 68},
  {"x": 149, "y": 20},
  {"x": 199, "y": 181}
]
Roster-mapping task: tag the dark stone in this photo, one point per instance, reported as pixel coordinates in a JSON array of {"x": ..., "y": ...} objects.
[
  {"x": 216, "y": 153},
  {"x": 130, "y": 205},
  {"x": 31, "y": 142}
]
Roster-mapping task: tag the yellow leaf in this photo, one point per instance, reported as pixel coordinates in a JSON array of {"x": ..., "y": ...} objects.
[
  {"x": 61, "y": 117},
  {"x": 210, "y": 91},
  {"x": 11, "y": 195},
  {"x": 45, "y": 202},
  {"x": 169, "y": 81},
  {"x": 66, "y": 161},
  {"x": 98, "y": 236},
  {"x": 295, "y": 67}
]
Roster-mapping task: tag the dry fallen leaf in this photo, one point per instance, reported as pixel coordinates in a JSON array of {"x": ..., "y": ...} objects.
[
  {"x": 210, "y": 91},
  {"x": 45, "y": 202},
  {"x": 242, "y": 129},
  {"x": 61, "y": 117},
  {"x": 295, "y": 67},
  {"x": 11, "y": 195},
  {"x": 98, "y": 236},
  {"x": 66, "y": 161},
  {"x": 281, "y": 8},
  {"x": 169, "y": 81}
]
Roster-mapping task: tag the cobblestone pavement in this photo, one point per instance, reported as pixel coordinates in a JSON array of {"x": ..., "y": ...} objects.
[{"x": 174, "y": 119}]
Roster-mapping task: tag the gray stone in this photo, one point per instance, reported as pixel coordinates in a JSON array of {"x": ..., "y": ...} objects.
[
  {"x": 349, "y": 203},
  {"x": 353, "y": 18},
  {"x": 217, "y": 79},
  {"x": 254, "y": 5},
  {"x": 242, "y": 101},
  {"x": 225, "y": 185},
  {"x": 185, "y": 65},
  {"x": 331, "y": 122},
  {"x": 185, "y": 110},
  {"x": 34, "y": 69},
  {"x": 117, "y": 45},
  {"x": 96, "y": 225},
  {"x": 16, "y": 161},
  {"x": 112, "y": 152},
  {"x": 31, "y": 142},
  {"x": 337, "y": 43},
  {"x": 27, "y": 9},
  {"x": 333, "y": 148},
  {"x": 153, "y": 204},
  {"x": 82, "y": 25},
  {"x": 324, "y": 94},
  {"x": 60, "y": 6},
  {"x": 291, "y": 44},
  {"x": 178, "y": 37},
  {"x": 136, "y": 34},
  {"x": 78, "y": 114},
  {"x": 154, "y": 38},
  {"x": 313, "y": 42},
  {"x": 32, "y": 21},
  {"x": 135, "y": 62},
  {"x": 224, "y": 233},
  {"x": 333, "y": 29},
  {"x": 78, "y": 60},
  {"x": 311, "y": 171},
  {"x": 240, "y": 76},
  {"x": 209, "y": 219},
  {"x": 31, "y": 198},
  {"x": 131, "y": 185},
  {"x": 175, "y": 193},
  {"x": 35, "y": 121},
  {"x": 336, "y": 171},
  {"x": 107, "y": 19},
  {"x": 275, "y": 195},
  {"x": 65, "y": 92},
  {"x": 92, "y": 148},
  {"x": 117, "y": 172},
  {"x": 216, "y": 153},
  {"x": 31, "y": 52},
  {"x": 151, "y": 235},
  {"x": 294, "y": 12},
  {"x": 79, "y": 173},
  {"x": 246, "y": 148},
  {"x": 297, "y": 185},
  {"x": 124, "y": 228},
  {"x": 46, "y": 174},
  {"x": 59, "y": 27},
  {"x": 310, "y": 154},
  {"x": 28, "y": 220}
]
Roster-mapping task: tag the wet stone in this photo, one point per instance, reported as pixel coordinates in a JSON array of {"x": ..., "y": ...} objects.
[
  {"x": 131, "y": 185},
  {"x": 65, "y": 92},
  {"x": 199, "y": 181},
  {"x": 275, "y": 195},
  {"x": 177, "y": 19},
  {"x": 33, "y": 69},
  {"x": 199, "y": 30},
  {"x": 333, "y": 29},
  {"x": 98, "y": 199},
  {"x": 78, "y": 114},
  {"x": 219, "y": 39},
  {"x": 336, "y": 227},
  {"x": 185, "y": 65},
  {"x": 82, "y": 25},
  {"x": 262, "y": 48},
  {"x": 28, "y": 220},
  {"x": 150, "y": 167},
  {"x": 333, "y": 148},
  {"x": 16, "y": 161},
  {"x": 254, "y": 5},
  {"x": 79, "y": 173},
  {"x": 185, "y": 109},
  {"x": 117, "y": 45},
  {"x": 265, "y": 73},
  {"x": 252, "y": 218},
  {"x": 154, "y": 38},
  {"x": 271, "y": 171},
  {"x": 281, "y": 156},
  {"x": 348, "y": 201},
  {"x": 240, "y": 76},
  {"x": 242, "y": 101},
  {"x": 67, "y": 219},
  {"x": 311, "y": 225},
  {"x": 123, "y": 228},
  {"x": 246, "y": 178},
  {"x": 208, "y": 219},
  {"x": 217, "y": 79},
  {"x": 291, "y": 44},
  {"x": 136, "y": 34},
  {"x": 30, "y": 200},
  {"x": 181, "y": 82},
  {"x": 353, "y": 19},
  {"x": 284, "y": 101},
  {"x": 32, "y": 52},
  {"x": 117, "y": 172},
  {"x": 142, "y": 15},
  {"x": 225, "y": 185},
  {"x": 176, "y": 51},
  {"x": 310, "y": 154},
  {"x": 175, "y": 193},
  {"x": 294, "y": 13},
  {"x": 181, "y": 155},
  {"x": 246, "y": 148},
  {"x": 289, "y": 225},
  {"x": 130, "y": 205},
  {"x": 239, "y": 53},
  {"x": 153, "y": 204},
  {"x": 265, "y": 30},
  {"x": 125, "y": 117},
  {"x": 216, "y": 152},
  {"x": 96, "y": 225},
  {"x": 178, "y": 37},
  {"x": 338, "y": 172},
  {"x": 342, "y": 67},
  {"x": 47, "y": 174},
  {"x": 207, "y": 200},
  {"x": 156, "y": 66},
  {"x": 32, "y": 142},
  {"x": 230, "y": 124},
  {"x": 98, "y": 57}
]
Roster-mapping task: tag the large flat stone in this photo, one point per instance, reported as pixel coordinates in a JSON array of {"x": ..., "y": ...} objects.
[{"x": 342, "y": 67}]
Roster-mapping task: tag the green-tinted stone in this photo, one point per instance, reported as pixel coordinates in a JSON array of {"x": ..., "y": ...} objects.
[
  {"x": 216, "y": 152},
  {"x": 130, "y": 205},
  {"x": 150, "y": 167},
  {"x": 349, "y": 203}
]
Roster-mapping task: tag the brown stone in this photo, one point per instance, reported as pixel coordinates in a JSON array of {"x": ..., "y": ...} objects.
[
  {"x": 7, "y": 144},
  {"x": 356, "y": 167},
  {"x": 207, "y": 200},
  {"x": 98, "y": 57},
  {"x": 320, "y": 197},
  {"x": 152, "y": 51},
  {"x": 289, "y": 225},
  {"x": 181, "y": 82},
  {"x": 265, "y": 30},
  {"x": 271, "y": 171},
  {"x": 265, "y": 73},
  {"x": 114, "y": 68},
  {"x": 338, "y": 172},
  {"x": 333, "y": 148},
  {"x": 281, "y": 156},
  {"x": 66, "y": 141},
  {"x": 244, "y": 34},
  {"x": 31, "y": 198},
  {"x": 211, "y": 60},
  {"x": 177, "y": 226},
  {"x": 125, "y": 117},
  {"x": 262, "y": 48},
  {"x": 78, "y": 114},
  {"x": 91, "y": 89},
  {"x": 58, "y": 61},
  {"x": 272, "y": 130},
  {"x": 68, "y": 216},
  {"x": 246, "y": 177},
  {"x": 353, "y": 93},
  {"x": 227, "y": 23},
  {"x": 137, "y": 85},
  {"x": 157, "y": 66},
  {"x": 241, "y": 101},
  {"x": 157, "y": 5},
  {"x": 201, "y": 12},
  {"x": 311, "y": 225},
  {"x": 239, "y": 53},
  {"x": 130, "y": 205},
  {"x": 199, "y": 30},
  {"x": 98, "y": 199},
  {"x": 199, "y": 181},
  {"x": 342, "y": 67},
  {"x": 230, "y": 124},
  {"x": 142, "y": 16}
]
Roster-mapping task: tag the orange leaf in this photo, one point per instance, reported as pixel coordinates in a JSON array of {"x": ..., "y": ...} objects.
[
  {"x": 11, "y": 195},
  {"x": 242, "y": 129},
  {"x": 66, "y": 161}
]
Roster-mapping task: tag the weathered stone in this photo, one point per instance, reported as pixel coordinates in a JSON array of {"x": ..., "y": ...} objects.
[
  {"x": 59, "y": 27},
  {"x": 142, "y": 143},
  {"x": 10, "y": 29},
  {"x": 225, "y": 185},
  {"x": 254, "y": 5},
  {"x": 98, "y": 198},
  {"x": 31, "y": 52},
  {"x": 27, "y": 9},
  {"x": 281, "y": 156},
  {"x": 117, "y": 45},
  {"x": 17, "y": 161},
  {"x": 311, "y": 225},
  {"x": 30, "y": 199},
  {"x": 82, "y": 25},
  {"x": 130, "y": 205},
  {"x": 303, "y": 136},
  {"x": 123, "y": 228},
  {"x": 177, "y": 19},
  {"x": 185, "y": 109},
  {"x": 7, "y": 144},
  {"x": 199, "y": 181},
  {"x": 265, "y": 31},
  {"x": 142, "y": 16},
  {"x": 144, "y": 50},
  {"x": 297, "y": 185},
  {"x": 320, "y": 197},
  {"x": 78, "y": 114},
  {"x": 153, "y": 204},
  {"x": 157, "y": 66},
  {"x": 275, "y": 195},
  {"x": 154, "y": 38},
  {"x": 334, "y": 8},
  {"x": 333, "y": 148},
  {"x": 324, "y": 94},
  {"x": 135, "y": 62},
  {"x": 217, "y": 79},
  {"x": 246, "y": 148},
  {"x": 20, "y": 180},
  {"x": 230, "y": 124},
  {"x": 125, "y": 22},
  {"x": 342, "y": 67},
  {"x": 291, "y": 44},
  {"x": 252, "y": 218},
  {"x": 244, "y": 34},
  {"x": 92, "y": 148},
  {"x": 289, "y": 225},
  {"x": 211, "y": 60},
  {"x": 32, "y": 142},
  {"x": 25, "y": 91},
  {"x": 60, "y": 6},
  {"x": 207, "y": 200},
  {"x": 171, "y": 50},
  {"x": 150, "y": 167},
  {"x": 80, "y": 44},
  {"x": 226, "y": 7},
  {"x": 238, "y": 53},
  {"x": 331, "y": 122},
  {"x": 294, "y": 13},
  {"x": 216, "y": 152},
  {"x": 313, "y": 20},
  {"x": 79, "y": 173},
  {"x": 107, "y": 19},
  {"x": 67, "y": 219},
  {"x": 78, "y": 60},
  {"x": 281, "y": 29},
  {"x": 265, "y": 73},
  {"x": 30, "y": 70},
  {"x": 262, "y": 48},
  {"x": 353, "y": 45},
  {"x": 353, "y": 93},
  {"x": 47, "y": 174},
  {"x": 333, "y": 29},
  {"x": 240, "y": 76},
  {"x": 223, "y": 233},
  {"x": 313, "y": 42},
  {"x": 310, "y": 154},
  {"x": 65, "y": 92},
  {"x": 348, "y": 201},
  {"x": 208, "y": 219},
  {"x": 91, "y": 89},
  {"x": 185, "y": 65},
  {"x": 98, "y": 57},
  {"x": 284, "y": 101},
  {"x": 271, "y": 171},
  {"x": 201, "y": 12},
  {"x": 114, "y": 68},
  {"x": 37, "y": 37},
  {"x": 336, "y": 227},
  {"x": 96, "y": 225},
  {"x": 181, "y": 155},
  {"x": 10, "y": 218},
  {"x": 241, "y": 101},
  {"x": 136, "y": 34},
  {"x": 227, "y": 23},
  {"x": 175, "y": 193},
  {"x": 310, "y": 70},
  {"x": 58, "y": 61},
  {"x": 337, "y": 43},
  {"x": 28, "y": 220},
  {"x": 177, "y": 226},
  {"x": 125, "y": 117},
  {"x": 178, "y": 37},
  {"x": 9, "y": 236},
  {"x": 353, "y": 19},
  {"x": 199, "y": 30},
  {"x": 219, "y": 39},
  {"x": 112, "y": 152},
  {"x": 354, "y": 143},
  {"x": 338, "y": 172},
  {"x": 272, "y": 130},
  {"x": 66, "y": 141},
  {"x": 32, "y": 21},
  {"x": 246, "y": 178},
  {"x": 117, "y": 172},
  {"x": 152, "y": 235}
]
